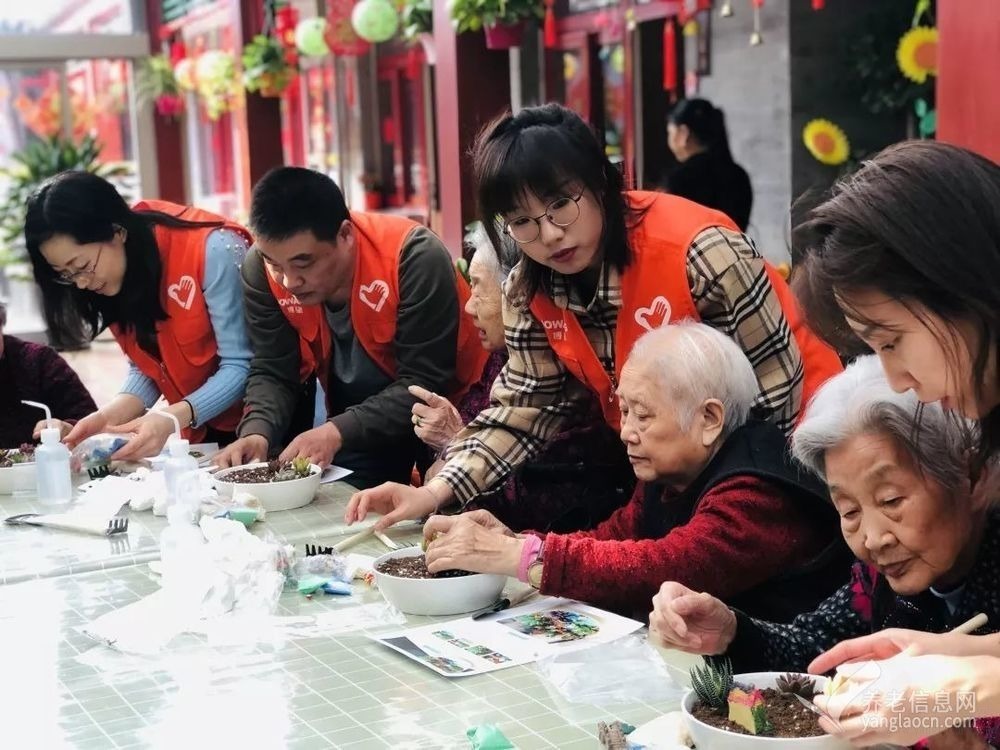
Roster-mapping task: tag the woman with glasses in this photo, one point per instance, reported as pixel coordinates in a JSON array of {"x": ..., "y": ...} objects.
[
  {"x": 165, "y": 280},
  {"x": 599, "y": 267}
]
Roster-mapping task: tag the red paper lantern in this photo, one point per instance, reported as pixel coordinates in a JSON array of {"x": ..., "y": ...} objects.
[
  {"x": 340, "y": 36},
  {"x": 818, "y": 4},
  {"x": 669, "y": 56},
  {"x": 551, "y": 38},
  {"x": 758, "y": 4}
]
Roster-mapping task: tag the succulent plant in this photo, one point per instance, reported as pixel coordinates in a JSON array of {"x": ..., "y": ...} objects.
[
  {"x": 713, "y": 681},
  {"x": 21, "y": 455},
  {"x": 301, "y": 467},
  {"x": 797, "y": 684}
]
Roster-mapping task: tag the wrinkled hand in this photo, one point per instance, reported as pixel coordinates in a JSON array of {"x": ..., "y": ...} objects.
[
  {"x": 443, "y": 524},
  {"x": 151, "y": 433},
  {"x": 435, "y": 420},
  {"x": 247, "y": 450},
  {"x": 64, "y": 428},
  {"x": 892, "y": 641},
  {"x": 319, "y": 445},
  {"x": 904, "y": 699},
  {"x": 395, "y": 502},
  {"x": 689, "y": 621},
  {"x": 90, "y": 425},
  {"x": 469, "y": 545}
]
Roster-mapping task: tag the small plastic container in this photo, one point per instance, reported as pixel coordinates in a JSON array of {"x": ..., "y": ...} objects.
[
  {"x": 52, "y": 474},
  {"x": 179, "y": 463}
]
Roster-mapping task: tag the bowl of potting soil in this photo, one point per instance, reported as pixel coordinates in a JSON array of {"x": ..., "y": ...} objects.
[
  {"x": 278, "y": 486},
  {"x": 17, "y": 469},
  {"x": 761, "y": 713},
  {"x": 405, "y": 582}
]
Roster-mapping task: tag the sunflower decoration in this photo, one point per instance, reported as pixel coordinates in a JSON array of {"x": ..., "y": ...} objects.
[
  {"x": 917, "y": 53},
  {"x": 826, "y": 142}
]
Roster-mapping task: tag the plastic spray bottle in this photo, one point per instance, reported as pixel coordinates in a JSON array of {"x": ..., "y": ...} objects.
[
  {"x": 181, "y": 539},
  {"x": 52, "y": 472}
]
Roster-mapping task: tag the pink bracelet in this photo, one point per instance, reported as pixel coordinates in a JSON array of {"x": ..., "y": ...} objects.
[{"x": 532, "y": 544}]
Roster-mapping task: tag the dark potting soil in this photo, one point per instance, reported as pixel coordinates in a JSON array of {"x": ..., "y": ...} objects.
[
  {"x": 789, "y": 717},
  {"x": 414, "y": 567}
]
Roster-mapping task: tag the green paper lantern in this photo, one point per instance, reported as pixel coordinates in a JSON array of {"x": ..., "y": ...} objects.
[
  {"x": 309, "y": 37},
  {"x": 375, "y": 20}
]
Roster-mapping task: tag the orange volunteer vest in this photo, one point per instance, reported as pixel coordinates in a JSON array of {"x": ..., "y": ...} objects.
[
  {"x": 374, "y": 307},
  {"x": 188, "y": 350},
  {"x": 655, "y": 291}
]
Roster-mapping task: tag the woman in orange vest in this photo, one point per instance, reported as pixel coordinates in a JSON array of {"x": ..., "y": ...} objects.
[
  {"x": 600, "y": 266},
  {"x": 165, "y": 279}
]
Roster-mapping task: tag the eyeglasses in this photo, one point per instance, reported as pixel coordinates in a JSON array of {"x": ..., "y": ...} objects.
[
  {"x": 69, "y": 278},
  {"x": 562, "y": 212}
]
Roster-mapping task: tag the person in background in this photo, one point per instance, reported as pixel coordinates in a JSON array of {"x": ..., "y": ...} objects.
[
  {"x": 719, "y": 504},
  {"x": 165, "y": 279},
  {"x": 581, "y": 475},
  {"x": 35, "y": 372},
  {"x": 706, "y": 172},
  {"x": 369, "y": 304}
]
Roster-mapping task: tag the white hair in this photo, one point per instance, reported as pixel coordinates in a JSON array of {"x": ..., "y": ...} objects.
[
  {"x": 701, "y": 363},
  {"x": 860, "y": 401},
  {"x": 501, "y": 263}
]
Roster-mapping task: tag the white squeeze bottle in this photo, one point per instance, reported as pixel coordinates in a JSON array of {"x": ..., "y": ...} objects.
[
  {"x": 178, "y": 463},
  {"x": 52, "y": 473}
]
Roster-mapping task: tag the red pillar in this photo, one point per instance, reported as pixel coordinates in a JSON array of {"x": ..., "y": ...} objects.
[
  {"x": 263, "y": 113},
  {"x": 969, "y": 75},
  {"x": 472, "y": 86},
  {"x": 167, "y": 132}
]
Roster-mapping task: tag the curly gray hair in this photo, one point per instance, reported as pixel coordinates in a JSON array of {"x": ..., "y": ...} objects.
[{"x": 860, "y": 401}]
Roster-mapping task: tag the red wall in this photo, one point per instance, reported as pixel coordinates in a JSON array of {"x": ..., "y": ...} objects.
[{"x": 969, "y": 75}]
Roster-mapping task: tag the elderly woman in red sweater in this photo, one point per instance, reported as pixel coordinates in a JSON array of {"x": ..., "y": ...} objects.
[{"x": 719, "y": 502}]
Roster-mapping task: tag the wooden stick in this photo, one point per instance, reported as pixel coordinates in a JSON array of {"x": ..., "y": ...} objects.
[{"x": 355, "y": 539}]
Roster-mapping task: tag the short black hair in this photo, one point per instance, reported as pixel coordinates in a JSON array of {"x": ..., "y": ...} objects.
[{"x": 290, "y": 200}]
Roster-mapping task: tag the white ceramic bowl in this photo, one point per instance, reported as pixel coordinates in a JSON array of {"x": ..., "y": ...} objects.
[
  {"x": 437, "y": 596},
  {"x": 710, "y": 738},
  {"x": 19, "y": 477},
  {"x": 274, "y": 496}
]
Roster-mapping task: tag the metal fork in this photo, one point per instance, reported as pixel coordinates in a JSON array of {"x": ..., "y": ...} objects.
[{"x": 117, "y": 525}]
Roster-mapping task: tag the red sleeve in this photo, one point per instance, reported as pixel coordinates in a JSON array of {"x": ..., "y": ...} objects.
[{"x": 743, "y": 532}]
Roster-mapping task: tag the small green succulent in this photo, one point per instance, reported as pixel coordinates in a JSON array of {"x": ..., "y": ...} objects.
[{"x": 713, "y": 682}]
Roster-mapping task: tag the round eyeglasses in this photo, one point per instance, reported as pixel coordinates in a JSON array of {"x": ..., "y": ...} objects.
[
  {"x": 562, "y": 212},
  {"x": 69, "y": 278}
]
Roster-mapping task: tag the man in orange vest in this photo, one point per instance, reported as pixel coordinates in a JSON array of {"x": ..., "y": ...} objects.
[{"x": 368, "y": 304}]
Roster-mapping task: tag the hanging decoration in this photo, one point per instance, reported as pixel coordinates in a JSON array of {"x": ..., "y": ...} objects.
[
  {"x": 670, "y": 58},
  {"x": 184, "y": 74},
  {"x": 917, "y": 53},
  {"x": 341, "y": 38},
  {"x": 157, "y": 83},
  {"x": 826, "y": 142},
  {"x": 926, "y": 118},
  {"x": 726, "y": 11},
  {"x": 309, "y": 37},
  {"x": 756, "y": 38},
  {"x": 217, "y": 82},
  {"x": 375, "y": 20},
  {"x": 818, "y": 4},
  {"x": 549, "y": 25},
  {"x": 286, "y": 19}
]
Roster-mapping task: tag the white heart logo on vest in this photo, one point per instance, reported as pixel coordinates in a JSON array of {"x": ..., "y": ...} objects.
[
  {"x": 182, "y": 292},
  {"x": 374, "y": 295},
  {"x": 654, "y": 316}
]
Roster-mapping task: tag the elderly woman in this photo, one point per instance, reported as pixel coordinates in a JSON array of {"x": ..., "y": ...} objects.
[
  {"x": 928, "y": 549},
  {"x": 579, "y": 478},
  {"x": 718, "y": 504},
  {"x": 35, "y": 372}
]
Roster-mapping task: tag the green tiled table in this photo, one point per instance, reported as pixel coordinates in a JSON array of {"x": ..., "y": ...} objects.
[
  {"x": 61, "y": 689},
  {"x": 28, "y": 552}
]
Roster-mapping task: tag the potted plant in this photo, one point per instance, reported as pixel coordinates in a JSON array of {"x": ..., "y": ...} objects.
[
  {"x": 502, "y": 20},
  {"x": 265, "y": 66},
  {"x": 31, "y": 166},
  {"x": 373, "y": 191},
  {"x": 418, "y": 25},
  {"x": 158, "y": 84}
]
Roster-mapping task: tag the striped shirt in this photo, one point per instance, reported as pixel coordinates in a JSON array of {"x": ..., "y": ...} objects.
[{"x": 535, "y": 396}]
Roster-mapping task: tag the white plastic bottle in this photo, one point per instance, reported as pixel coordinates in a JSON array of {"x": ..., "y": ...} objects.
[
  {"x": 52, "y": 474},
  {"x": 179, "y": 462}
]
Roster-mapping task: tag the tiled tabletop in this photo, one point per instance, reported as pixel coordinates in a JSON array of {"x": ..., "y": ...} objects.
[
  {"x": 61, "y": 689},
  {"x": 29, "y": 552}
]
